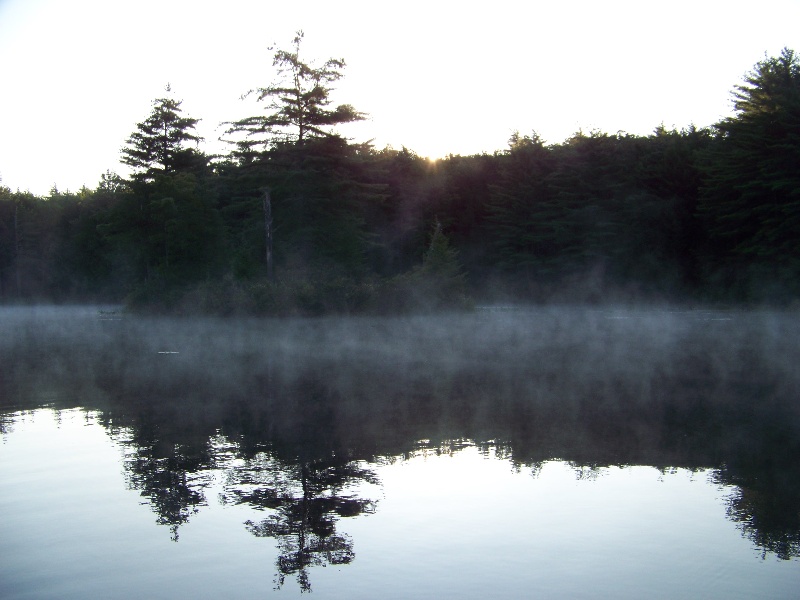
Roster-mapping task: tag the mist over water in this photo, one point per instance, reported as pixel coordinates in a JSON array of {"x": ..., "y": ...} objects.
[{"x": 296, "y": 419}]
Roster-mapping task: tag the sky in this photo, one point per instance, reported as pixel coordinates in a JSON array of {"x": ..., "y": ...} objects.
[{"x": 437, "y": 77}]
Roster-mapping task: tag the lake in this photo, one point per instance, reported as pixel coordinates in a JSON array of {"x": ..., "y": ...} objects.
[{"x": 551, "y": 452}]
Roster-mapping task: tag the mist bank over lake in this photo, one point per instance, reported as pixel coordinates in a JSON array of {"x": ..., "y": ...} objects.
[{"x": 630, "y": 382}]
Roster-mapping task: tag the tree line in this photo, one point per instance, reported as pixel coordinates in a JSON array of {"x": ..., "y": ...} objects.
[{"x": 296, "y": 219}]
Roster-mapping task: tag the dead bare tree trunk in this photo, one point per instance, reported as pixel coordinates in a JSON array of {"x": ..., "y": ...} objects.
[{"x": 268, "y": 231}]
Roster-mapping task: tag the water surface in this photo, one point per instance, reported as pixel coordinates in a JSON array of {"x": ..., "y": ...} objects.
[{"x": 559, "y": 453}]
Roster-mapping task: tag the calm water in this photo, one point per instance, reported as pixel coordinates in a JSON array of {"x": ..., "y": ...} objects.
[{"x": 551, "y": 453}]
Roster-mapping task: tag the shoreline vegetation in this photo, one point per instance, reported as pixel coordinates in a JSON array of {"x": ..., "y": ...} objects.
[{"x": 297, "y": 220}]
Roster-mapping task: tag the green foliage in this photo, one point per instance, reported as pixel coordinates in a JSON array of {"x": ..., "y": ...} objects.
[
  {"x": 590, "y": 184},
  {"x": 522, "y": 211},
  {"x": 158, "y": 146},
  {"x": 162, "y": 229},
  {"x": 438, "y": 284},
  {"x": 318, "y": 184},
  {"x": 676, "y": 214},
  {"x": 28, "y": 245},
  {"x": 751, "y": 193},
  {"x": 459, "y": 201},
  {"x": 184, "y": 219},
  {"x": 298, "y": 105},
  {"x": 441, "y": 271},
  {"x": 619, "y": 210},
  {"x": 321, "y": 197},
  {"x": 668, "y": 234},
  {"x": 7, "y": 243},
  {"x": 400, "y": 219},
  {"x": 81, "y": 265}
]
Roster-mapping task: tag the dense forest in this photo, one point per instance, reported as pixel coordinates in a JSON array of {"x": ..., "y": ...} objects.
[{"x": 296, "y": 219}]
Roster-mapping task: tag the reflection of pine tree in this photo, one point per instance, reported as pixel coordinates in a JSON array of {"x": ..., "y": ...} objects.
[
  {"x": 306, "y": 499},
  {"x": 765, "y": 490},
  {"x": 768, "y": 520},
  {"x": 172, "y": 483}
]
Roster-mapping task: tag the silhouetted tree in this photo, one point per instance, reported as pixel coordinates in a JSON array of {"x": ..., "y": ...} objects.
[
  {"x": 158, "y": 145},
  {"x": 750, "y": 193},
  {"x": 166, "y": 220},
  {"x": 298, "y": 104},
  {"x": 316, "y": 178}
]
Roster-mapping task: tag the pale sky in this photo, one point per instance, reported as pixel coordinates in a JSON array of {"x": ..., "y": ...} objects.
[{"x": 438, "y": 77}]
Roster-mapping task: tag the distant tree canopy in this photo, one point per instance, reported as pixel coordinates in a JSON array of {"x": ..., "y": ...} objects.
[{"x": 709, "y": 214}]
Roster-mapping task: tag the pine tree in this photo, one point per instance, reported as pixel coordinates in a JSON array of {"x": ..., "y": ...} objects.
[
  {"x": 158, "y": 146},
  {"x": 298, "y": 105},
  {"x": 751, "y": 195},
  {"x": 315, "y": 175}
]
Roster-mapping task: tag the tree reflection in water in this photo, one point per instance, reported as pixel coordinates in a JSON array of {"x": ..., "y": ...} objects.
[
  {"x": 305, "y": 497},
  {"x": 172, "y": 478},
  {"x": 305, "y": 501},
  {"x": 771, "y": 522}
]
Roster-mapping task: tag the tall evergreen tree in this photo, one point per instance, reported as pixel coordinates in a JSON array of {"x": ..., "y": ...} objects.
[
  {"x": 751, "y": 194},
  {"x": 159, "y": 143},
  {"x": 314, "y": 173},
  {"x": 299, "y": 104},
  {"x": 167, "y": 225}
]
